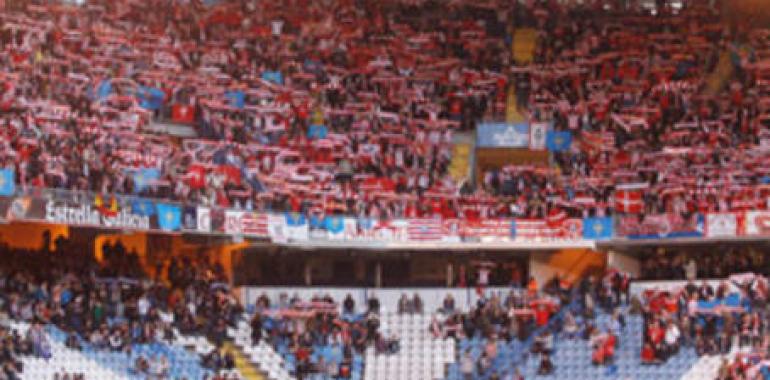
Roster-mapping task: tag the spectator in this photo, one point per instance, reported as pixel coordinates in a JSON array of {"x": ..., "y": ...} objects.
[
  {"x": 467, "y": 365},
  {"x": 448, "y": 305},
  {"x": 546, "y": 365},
  {"x": 417, "y": 304},
  {"x": 348, "y": 305},
  {"x": 405, "y": 305}
]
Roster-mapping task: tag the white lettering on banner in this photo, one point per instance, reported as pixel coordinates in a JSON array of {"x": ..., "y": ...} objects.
[
  {"x": 758, "y": 223},
  {"x": 510, "y": 137},
  {"x": 85, "y": 215},
  {"x": 204, "y": 219},
  {"x": 721, "y": 225}
]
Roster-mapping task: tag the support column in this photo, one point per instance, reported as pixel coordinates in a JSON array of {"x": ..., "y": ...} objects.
[
  {"x": 449, "y": 275},
  {"x": 378, "y": 275},
  {"x": 308, "y": 274},
  {"x": 360, "y": 270}
]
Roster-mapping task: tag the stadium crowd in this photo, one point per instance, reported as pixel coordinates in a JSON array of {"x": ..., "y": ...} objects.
[
  {"x": 306, "y": 109},
  {"x": 317, "y": 336},
  {"x": 710, "y": 319},
  {"x": 111, "y": 305},
  {"x": 302, "y": 104},
  {"x": 719, "y": 263}
]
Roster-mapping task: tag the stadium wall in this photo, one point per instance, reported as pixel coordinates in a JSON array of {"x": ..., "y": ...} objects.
[{"x": 566, "y": 263}]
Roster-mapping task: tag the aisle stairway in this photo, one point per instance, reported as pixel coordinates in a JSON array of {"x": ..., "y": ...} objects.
[
  {"x": 261, "y": 357},
  {"x": 463, "y": 145},
  {"x": 523, "y": 52},
  {"x": 524, "y": 43},
  {"x": 512, "y": 115},
  {"x": 247, "y": 370},
  {"x": 721, "y": 75}
]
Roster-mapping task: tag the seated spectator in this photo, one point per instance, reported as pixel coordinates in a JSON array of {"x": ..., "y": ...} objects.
[
  {"x": 671, "y": 339},
  {"x": 546, "y": 365},
  {"x": 405, "y": 305},
  {"x": 73, "y": 342},
  {"x": 141, "y": 365},
  {"x": 374, "y": 304},
  {"x": 648, "y": 355},
  {"x": 448, "y": 305},
  {"x": 213, "y": 360},
  {"x": 543, "y": 343},
  {"x": 604, "y": 349},
  {"x": 417, "y": 304},
  {"x": 256, "y": 329},
  {"x": 348, "y": 305},
  {"x": 435, "y": 328},
  {"x": 159, "y": 366},
  {"x": 467, "y": 365},
  {"x": 570, "y": 327}
]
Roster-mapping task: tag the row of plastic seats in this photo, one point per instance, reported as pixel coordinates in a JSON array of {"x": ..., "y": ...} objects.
[{"x": 420, "y": 356}]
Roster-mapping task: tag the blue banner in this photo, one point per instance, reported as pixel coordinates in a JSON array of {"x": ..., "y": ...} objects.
[
  {"x": 334, "y": 224},
  {"x": 7, "y": 182},
  {"x": 150, "y": 98},
  {"x": 143, "y": 177},
  {"x": 169, "y": 217},
  {"x": 236, "y": 98},
  {"x": 597, "y": 228},
  {"x": 273, "y": 76},
  {"x": 316, "y": 131},
  {"x": 558, "y": 141},
  {"x": 365, "y": 224},
  {"x": 502, "y": 135},
  {"x": 144, "y": 207},
  {"x": 316, "y": 222},
  {"x": 295, "y": 219},
  {"x": 104, "y": 89}
]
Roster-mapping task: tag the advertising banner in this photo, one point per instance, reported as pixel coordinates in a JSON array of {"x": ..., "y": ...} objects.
[
  {"x": 63, "y": 212},
  {"x": 502, "y": 135}
]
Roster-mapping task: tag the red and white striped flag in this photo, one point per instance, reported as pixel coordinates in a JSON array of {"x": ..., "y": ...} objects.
[
  {"x": 598, "y": 140},
  {"x": 246, "y": 223},
  {"x": 425, "y": 229}
]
